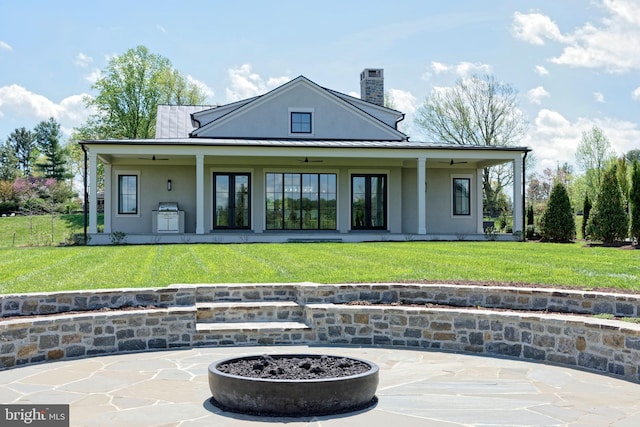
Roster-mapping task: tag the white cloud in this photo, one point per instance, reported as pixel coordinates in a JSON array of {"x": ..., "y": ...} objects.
[
  {"x": 541, "y": 70},
  {"x": 403, "y": 101},
  {"x": 612, "y": 44},
  {"x": 5, "y": 46},
  {"x": 462, "y": 69},
  {"x": 93, "y": 76},
  {"x": 636, "y": 94},
  {"x": 439, "y": 67},
  {"x": 208, "y": 92},
  {"x": 598, "y": 96},
  {"x": 70, "y": 112},
  {"x": 245, "y": 84},
  {"x": 628, "y": 10},
  {"x": 467, "y": 69},
  {"x": 535, "y": 28},
  {"x": 161, "y": 28},
  {"x": 83, "y": 60},
  {"x": 277, "y": 81},
  {"x": 554, "y": 139},
  {"x": 536, "y": 95},
  {"x": 407, "y": 103}
]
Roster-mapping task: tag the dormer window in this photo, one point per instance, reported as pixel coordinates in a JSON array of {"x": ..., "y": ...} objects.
[{"x": 301, "y": 121}]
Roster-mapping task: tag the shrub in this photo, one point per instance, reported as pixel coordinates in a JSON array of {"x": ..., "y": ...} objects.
[
  {"x": 7, "y": 208},
  {"x": 557, "y": 222},
  {"x": 608, "y": 220}
]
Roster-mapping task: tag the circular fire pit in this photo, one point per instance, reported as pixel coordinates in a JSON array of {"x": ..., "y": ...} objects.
[{"x": 293, "y": 385}]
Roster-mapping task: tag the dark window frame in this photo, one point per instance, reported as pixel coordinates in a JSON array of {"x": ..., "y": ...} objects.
[
  {"x": 298, "y": 214},
  {"x": 294, "y": 119},
  {"x": 366, "y": 222},
  {"x": 459, "y": 197},
  {"x": 231, "y": 198},
  {"x": 136, "y": 194}
]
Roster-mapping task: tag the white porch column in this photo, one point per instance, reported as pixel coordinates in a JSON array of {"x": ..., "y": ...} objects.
[
  {"x": 199, "y": 193},
  {"x": 107, "y": 198},
  {"x": 479, "y": 200},
  {"x": 517, "y": 194},
  {"x": 422, "y": 199},
  {"x": 93, "y": 193}
]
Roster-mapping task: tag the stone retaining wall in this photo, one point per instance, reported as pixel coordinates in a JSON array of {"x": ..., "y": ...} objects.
[
  {"x": 515, "y": 298},
  {"x": 38, "y": 339},
  {"x": 606, "y": 346},
  {"x": 600, "y": 345},
  {"x": 539, "y": 299},
  {"x": 62, "y": 302}
]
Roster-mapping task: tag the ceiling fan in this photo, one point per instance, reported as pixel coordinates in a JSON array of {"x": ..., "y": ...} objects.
[
  {"x": 154, "y": 158},
  {"x": 452, "y": 162},
  {"x": 306, "y": 160}
]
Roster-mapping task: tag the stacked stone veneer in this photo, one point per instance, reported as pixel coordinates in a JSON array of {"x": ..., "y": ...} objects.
[{"x": 549, "y": 334}]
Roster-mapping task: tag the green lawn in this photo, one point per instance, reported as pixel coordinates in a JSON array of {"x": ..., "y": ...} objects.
[
  {"x": 34, "y": 269},
  {"x": 21, "y": 231}
]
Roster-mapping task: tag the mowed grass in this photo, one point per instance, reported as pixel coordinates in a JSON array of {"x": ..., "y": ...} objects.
[
  {"x": 39, "y": 269},
  {"x": 21, "y": 231}
]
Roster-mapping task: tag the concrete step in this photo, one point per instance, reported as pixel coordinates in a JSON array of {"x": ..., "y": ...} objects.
[
  {"x": 255, "y": 311},
  {"x": 252, "y": 327}
]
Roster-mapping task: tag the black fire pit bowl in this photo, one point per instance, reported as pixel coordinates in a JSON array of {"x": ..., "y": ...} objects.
[{"x": 292, "y": 398}]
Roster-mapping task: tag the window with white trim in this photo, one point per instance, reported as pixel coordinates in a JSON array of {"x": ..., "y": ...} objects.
[{"x": 301, "y": 122}]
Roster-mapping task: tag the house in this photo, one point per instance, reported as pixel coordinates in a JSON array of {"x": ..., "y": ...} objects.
[{"x": 299, "y": 163}]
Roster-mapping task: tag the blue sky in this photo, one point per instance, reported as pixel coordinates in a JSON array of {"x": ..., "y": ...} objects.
[{"x": 574, "y": 63}]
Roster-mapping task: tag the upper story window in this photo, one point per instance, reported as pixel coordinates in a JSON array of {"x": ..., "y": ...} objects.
[{"x": 301, "y": 122}]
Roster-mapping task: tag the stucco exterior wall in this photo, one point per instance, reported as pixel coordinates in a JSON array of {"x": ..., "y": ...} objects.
[
  {"x": 331, "y": 119},
  {"x": 440, "y": 205},
  {"x": 153, "y": 190}
]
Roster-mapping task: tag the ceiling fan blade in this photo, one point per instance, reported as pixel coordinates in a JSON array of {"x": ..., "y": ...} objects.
[{"x": 153, "y": 158}]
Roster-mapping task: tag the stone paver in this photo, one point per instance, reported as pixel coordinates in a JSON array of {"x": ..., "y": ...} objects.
[{"x": 417, "y": 388}]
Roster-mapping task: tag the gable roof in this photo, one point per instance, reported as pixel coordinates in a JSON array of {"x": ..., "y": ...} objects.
[{"x": 382, "y": 118}]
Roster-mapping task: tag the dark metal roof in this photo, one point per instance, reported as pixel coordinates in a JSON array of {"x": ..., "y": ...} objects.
[{"x": 302, "y": 143}]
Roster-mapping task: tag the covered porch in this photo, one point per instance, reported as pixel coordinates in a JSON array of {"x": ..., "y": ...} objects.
[{"x": 421, "y": 184}]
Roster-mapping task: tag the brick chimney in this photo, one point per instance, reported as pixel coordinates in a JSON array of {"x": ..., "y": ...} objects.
[{"x": 372, "y": 85}]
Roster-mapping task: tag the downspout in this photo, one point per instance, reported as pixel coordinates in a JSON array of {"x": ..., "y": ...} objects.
[
  {"x": 524, "y": 203},
  {"x": 86, "y": 194}
]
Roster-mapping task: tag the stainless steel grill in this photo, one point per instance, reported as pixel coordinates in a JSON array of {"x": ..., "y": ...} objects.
[{"x": 168, "y": 217}]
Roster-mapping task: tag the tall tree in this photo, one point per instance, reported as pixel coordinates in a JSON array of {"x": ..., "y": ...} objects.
[
  {"x": 634, "y": 199},
  {"x": 608, "y": 220},
  {"x": 8, "y": 163},
  {"x": 132, "y": 86},
  {"x": 476, "y": 111},
  {"x": 54, "y": 164},
  {"x": 178, "y": 90},
  {"x": 592, "y": 155},
  {"x": 632, "y": 155},
  {"x": 23, "y": 143}
]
